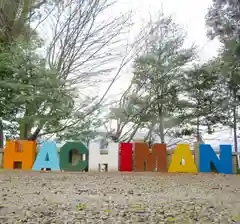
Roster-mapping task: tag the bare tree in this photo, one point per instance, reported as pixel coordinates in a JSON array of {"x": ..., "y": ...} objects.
[{"x": 86, "y": 47}]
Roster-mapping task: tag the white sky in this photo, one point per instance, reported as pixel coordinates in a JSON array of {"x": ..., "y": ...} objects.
[{"x": 190, "y": 14}]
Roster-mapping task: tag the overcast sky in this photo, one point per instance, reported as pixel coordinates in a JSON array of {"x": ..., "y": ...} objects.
[{"x": 188, "y": 13}]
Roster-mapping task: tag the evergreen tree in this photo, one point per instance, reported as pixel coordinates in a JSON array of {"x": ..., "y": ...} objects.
[
  {"x": 37, "y": 94},
  {"x": 222, "y": 20},
  {"x": 15, "y": 16},
  {"x": 157, "y": 74},
  {"x": 229, "y": 70},
  {"x": 203, "y": 98}
]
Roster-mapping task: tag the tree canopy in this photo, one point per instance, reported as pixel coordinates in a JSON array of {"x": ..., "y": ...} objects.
[{"x": 55, "y": 58}]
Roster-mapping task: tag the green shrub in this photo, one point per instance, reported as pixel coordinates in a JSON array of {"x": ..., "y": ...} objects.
[{"x": 238, "y": 170}]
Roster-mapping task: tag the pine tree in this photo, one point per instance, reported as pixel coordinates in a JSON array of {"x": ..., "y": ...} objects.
[
  {"x": 157, "y": 72},
  {"x": 222, "y": 20},
  {"x": 203, "y": 100}
]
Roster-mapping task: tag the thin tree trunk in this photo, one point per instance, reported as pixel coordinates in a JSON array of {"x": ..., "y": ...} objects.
[
  {"x": 161, "y": 128},
  {"x": 35, "y": 134},
  {"x": 134, "y": 132},
  {"x": 235, "y": 120},
  {"x": 198, "y": 129},
  {"x": 1, "y": 134},
  {"x": 235, "y": 128},
  {"x": 149, "y": 134},
  {"x": 198, "y": 120}
]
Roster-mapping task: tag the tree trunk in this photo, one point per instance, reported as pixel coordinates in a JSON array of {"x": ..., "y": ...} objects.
[
  {"x": 149, "y": 134},
  {"x": 161, "y": 128},
  {"x": 198, "y": 129},
  {"x": 235, "y": 128},
  {"x": 25, "y": 124},
  {"x": 35, "y": 134},
  {"x": 23, "y": 130},
  {"x": 198, "y": 120},
  {"x": 134, "y": 132},
  {"x": 235, "y": 120},
  {"x": 1, "y": 134}
]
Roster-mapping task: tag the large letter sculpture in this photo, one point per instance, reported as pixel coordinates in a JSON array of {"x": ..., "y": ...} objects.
[
  {"x": 182, "y": 151},
  {"x": 21, "y": 151},
  {"x": 97, "y": 159},
  {"x": 47, "y": 157},
  {"x": 208, "y": 156},
  {"x": 146, "y": 160},
  {"x": 125, "y": 154},
  {"x": 65, "y": 156}
]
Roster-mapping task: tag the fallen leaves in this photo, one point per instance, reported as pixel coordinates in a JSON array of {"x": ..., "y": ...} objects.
[{"x": 81, "y": 206}]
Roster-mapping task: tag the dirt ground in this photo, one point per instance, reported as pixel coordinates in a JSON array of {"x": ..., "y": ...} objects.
[{"x": 61, "y": 197}]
